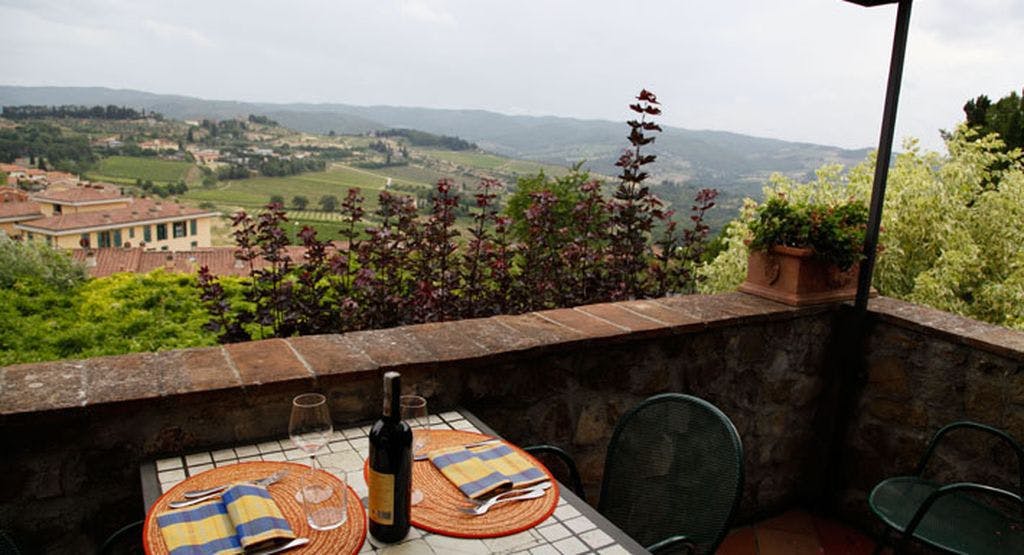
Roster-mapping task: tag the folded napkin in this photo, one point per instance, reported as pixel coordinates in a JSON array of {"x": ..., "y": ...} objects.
[
  {"x": 244, "y": 517},
  {"x": 477, "y": 471}
]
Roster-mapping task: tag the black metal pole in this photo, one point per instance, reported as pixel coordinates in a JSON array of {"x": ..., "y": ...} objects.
[
  {"x": 841, "y": 391},
  {"x": 892, "y": 96}
]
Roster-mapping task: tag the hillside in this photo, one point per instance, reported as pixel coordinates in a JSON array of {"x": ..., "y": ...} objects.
[{"x": 733, "y": 162}]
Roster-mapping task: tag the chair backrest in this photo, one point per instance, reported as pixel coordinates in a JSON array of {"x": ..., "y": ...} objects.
[{"x": 674, "y": 466}]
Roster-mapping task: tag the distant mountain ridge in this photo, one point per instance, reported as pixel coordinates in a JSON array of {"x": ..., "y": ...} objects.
[{"x": 734, "y": 162}]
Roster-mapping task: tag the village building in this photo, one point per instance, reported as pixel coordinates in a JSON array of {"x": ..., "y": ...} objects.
[
  {"x": 36, "y": 178},
  {"x": 15, "y": 207},
  {"x": 158, "y": 145},
  {"x": 92, "y": 216},
  {"x": 204, "y": 155}
]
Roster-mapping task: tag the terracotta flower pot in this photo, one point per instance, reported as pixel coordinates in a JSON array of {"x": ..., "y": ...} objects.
[{"x": 793, "y": 276}]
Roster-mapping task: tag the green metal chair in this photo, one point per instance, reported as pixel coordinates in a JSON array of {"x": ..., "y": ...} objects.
[
  {"x": 958, "y": 517},
  {"x": 673, "y": 474}
]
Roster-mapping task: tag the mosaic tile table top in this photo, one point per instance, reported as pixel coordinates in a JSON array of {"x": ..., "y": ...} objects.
[{"x": 574, "y": 528}]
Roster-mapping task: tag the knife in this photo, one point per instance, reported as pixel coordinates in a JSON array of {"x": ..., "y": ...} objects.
[{"x": 297, "y": 542}]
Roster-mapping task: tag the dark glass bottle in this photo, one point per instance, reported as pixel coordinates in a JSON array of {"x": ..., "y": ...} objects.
[{"x": 390, "y": 473}]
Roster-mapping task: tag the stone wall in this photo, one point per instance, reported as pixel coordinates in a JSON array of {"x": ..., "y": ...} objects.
[
  {"x": 75, "y": 432},
  {"x": 926, "y": 369}
]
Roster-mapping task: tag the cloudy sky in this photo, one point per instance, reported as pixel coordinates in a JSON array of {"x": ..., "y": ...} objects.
[{"x": 808, "y": 70}]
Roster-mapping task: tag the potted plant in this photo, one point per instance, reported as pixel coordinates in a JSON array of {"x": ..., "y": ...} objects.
[{"x": 806, "y": 252}]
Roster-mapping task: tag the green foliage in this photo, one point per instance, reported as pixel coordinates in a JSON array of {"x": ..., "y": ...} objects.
[
  {"x": 300, "y": 202},
  {"x": 43, "y": 140},
  {"x": 1005, "y": 117},
  {"x": 947, "y": 240},
  {"x": 328, "y": 203},
  {"x": 109, "y": 112},
  {"x": 36, "y": 261},
  {"x": 565, "y": 189},
  {"x": 422, "y": 138},
  {"x": 119, "y": 314},
  {"x": 834, "y": 231}
]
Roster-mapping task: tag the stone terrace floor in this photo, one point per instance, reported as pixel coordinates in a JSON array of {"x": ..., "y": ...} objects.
[{"x": 796, "y": 533}]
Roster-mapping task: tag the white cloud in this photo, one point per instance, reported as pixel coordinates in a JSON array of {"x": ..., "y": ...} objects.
[
  {"x": 172, "y": 32},
  {"x": 808, "y": 70},
  {"x": 426, "y": 12}
]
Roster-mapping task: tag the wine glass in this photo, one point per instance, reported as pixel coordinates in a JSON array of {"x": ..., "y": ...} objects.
[
  {"x": 414, "y": 412},
  {"x": 310, "y": 428}
]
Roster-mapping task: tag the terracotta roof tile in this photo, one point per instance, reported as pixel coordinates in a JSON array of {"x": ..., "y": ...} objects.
[
  {"x": 220, "y": 260},
  {"x": 79, "y": 194},
  {"x": 12, "y": 194},
  {"x": 137, "y": 211},
  {"x": 14, "y": 209}
]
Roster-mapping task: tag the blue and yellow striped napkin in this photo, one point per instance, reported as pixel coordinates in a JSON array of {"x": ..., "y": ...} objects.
[
  {"x": 477, "y": 471},
  {"x": 244, "y": 517}
]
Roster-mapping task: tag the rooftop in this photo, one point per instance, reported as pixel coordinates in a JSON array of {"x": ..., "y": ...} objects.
[
  {"x": 19, "y": 210},
  {"x": 220, "y": 260},
  {"x": 137, "y": 211},
  {"x": 80, "y": 194}
]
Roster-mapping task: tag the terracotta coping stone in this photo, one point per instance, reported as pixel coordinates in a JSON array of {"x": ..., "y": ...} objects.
[
  {"x": 330, "y": 355},
  {"x": 537, "y": 332},
  {"x": 270, "y": 360},
  {"x": 620, "y": 316},
  {"x": 73, "y": 384},
  {"x": 958, "y": 329},
  {"x": 587, "y": 325}
]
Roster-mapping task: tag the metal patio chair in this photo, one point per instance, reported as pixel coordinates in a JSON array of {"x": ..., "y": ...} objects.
[
  {"x": 673, "y": 474},
  {"x": 962, "y": 517}
]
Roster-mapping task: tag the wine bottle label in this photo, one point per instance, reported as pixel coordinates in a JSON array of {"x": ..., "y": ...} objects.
[{"x": 382, "y": 497}]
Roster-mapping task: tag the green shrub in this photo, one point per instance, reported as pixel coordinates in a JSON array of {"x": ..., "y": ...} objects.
[
  {"x": 36, "y": 261},
  {"x": 122, "y": 313}
]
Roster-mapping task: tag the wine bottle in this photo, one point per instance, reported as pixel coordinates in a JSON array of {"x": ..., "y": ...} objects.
[{"x": 390, "y": 470}]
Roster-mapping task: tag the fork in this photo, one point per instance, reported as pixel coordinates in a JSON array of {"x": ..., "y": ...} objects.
[
  {"x": 533, "y": 492},
  {"x": 209, "y": 491},
  {"x": 215, "y": 492}
]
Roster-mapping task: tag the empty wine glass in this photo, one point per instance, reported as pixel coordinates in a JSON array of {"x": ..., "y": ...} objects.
[
  {"x": 414, "y": 412},
  {"x": 310, "y": 429}
]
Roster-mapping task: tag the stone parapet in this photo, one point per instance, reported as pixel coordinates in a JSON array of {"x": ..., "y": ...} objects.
[{"x": 76, "y": 431}]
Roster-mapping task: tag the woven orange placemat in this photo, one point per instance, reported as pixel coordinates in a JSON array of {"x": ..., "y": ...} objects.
[
  {"x": 439, "y": 511},
  {"x": 346, "y": 539}
]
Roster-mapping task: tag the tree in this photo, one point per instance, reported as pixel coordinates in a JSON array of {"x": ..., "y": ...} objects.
[
  {"x": 35, "y": 261},
  {"x": 565, "y": 189},
  {"x": 300, "y": 202},
  {"x": 1005, "y": 117},
  {"x": 277, "y": 199},
  {"x": 948, "y": 241},
  {"x": 328, "y": 203}
]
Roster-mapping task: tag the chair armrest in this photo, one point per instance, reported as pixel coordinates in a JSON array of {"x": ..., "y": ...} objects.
[
  {"x": 976, "y": 426},
  {"x": 1006, "y": 438},
  {"x": 576, "y": 484},
  {"x": 133, "y": 529},
  {"x": 947, "y": 490},
  {"x": 672, "y": 541}
]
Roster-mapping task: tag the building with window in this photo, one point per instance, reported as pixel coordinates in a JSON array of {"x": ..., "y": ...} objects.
[
  {"x": 79, "y": 199},
  {"x": 121, "y": 222},
  {"x": 15, "y": 212}
]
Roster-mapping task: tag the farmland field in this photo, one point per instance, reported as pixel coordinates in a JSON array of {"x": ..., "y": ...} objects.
[
  {"x": 492, "y": 162},
  {"x": 256, "y": 192},
  {"x": 126, "y": 169}
]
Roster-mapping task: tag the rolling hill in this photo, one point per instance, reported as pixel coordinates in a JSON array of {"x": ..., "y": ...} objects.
[{"x": 735, "y": 163}]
